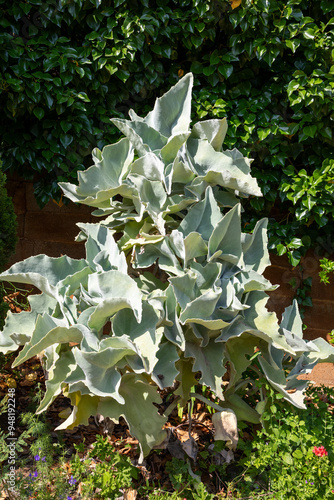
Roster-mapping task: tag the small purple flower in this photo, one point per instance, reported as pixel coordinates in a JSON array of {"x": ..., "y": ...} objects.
[
  {"x": 43, "y": 459},
  {"x": 305, "y": 481},
  {"x": 72, "y": 481},
  {"x": 312, "y": 483},
  {"x": 69, "y": 498},
  {"x": 35, "y": 473},
  {"x": 37, "y": 457}
]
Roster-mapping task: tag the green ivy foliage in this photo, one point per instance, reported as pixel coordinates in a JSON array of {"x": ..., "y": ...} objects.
[
  {"x": 68, "y": 66},
  {"x": 8, "y": 238},
  {"x": 8, "y": 224}
]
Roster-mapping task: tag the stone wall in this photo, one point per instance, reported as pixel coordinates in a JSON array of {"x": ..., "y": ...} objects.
[{"x": 53, "y": 229}]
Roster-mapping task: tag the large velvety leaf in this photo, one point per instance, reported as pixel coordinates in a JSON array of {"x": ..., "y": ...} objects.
[
  {"x": 100, "y": 368},
  {"x": 255, "y": 248},
  {"x": 228, "y": 169},
  {"x": 57, "y": 373},
  {"x": 171, "y": 112},
  {"x": 202, "y": 217},
  {"x": 186, "y": 377},
  {"x": 47, "y": 334},
  {"x": 102, "y": 252},
  {"x": 144, "y": 334},
  {"x": 45, "y": 272},
  {"x": 19, "y": 327},
  {"x": 112, "y": 291},
  {"x": 210, "y": 361},
  {"x": 141, "y": 415},
  {"x": 291, "y": 319},
  {"x": 102, "y": 181},
  {"x": 276, "y": 377},
  {"x": 213, "y": 131},
  {"x": 84, "y": 406},
  {"x": 143, "y": 137},
  {"x": 239, "y": 350},
  {"x": 225, "y": 240}
]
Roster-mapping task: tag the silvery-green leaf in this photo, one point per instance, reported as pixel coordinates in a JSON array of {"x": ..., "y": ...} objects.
[
  {"x": 276, "y": 377},
  {"x": 177, "y": 203},
  {"x": 207, "y": 276},
  {"x": 162, "y": 251},
  {"x": 171, "y": 112},
  {"x": 186, "y": 378},
  {"x": 149, "y": 283},
  {"x": 228, "y": 295},
  {"x": 169, "y": 151},
  {"x": 176, "y": 241},
  {"x": 141, "y": 415},
  {"x": 229, "y": 169},
  {"x": 101, "y": 375},
  {"x": 251, "y": 281},
  {"x": 45, "y": 272},
  {"x": 152, "y": 197},
  {"x": 213, "y": 131},
  {"x": 102, "y": 181},
  {"x": 239, "y": 350},
  {"x": 150, "y": 167},
  {"x": 202, "y": 311},
  {"x": 226, "y": 198},
  {"x": 210, "y": 361},
  {"x": 165, "y": 372},
  {"x": 297, "y": 343},
  {"x": 226, "y": 237},
  {"x": 202, "y": 217},
  {"x": 100, "y": 239},
  {"x": 258, "y": 317},
  {"x": 291, "y": 319},
  {"x": 257, "y": 321},
  {"x": 185, "y": 288},
  {"x": 84, "y": 406},
  {"x": 255, "y": 248},
  {"x": 196, "y": 188},
  {"x": 19, "y": 327},
  {"x": 62, "y": 367},
  {"x": 112, "y": 291},
  {"x": 142, "y": 136},
  {"x": 41, "y": 338},
  {"x": 144, "y": 334},
  {"x": 173, "y": 330},
  {"x": 325, "y": 353},
  {"x": 182, "y": 171},
  {"x": 194, "y": 247}
]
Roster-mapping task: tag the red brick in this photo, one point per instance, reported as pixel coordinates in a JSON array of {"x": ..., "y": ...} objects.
[
  {"x": 20, "y": 225},
  {"x": 40, "y": 226},
  {"x": 51, "y": 206},
  {"x": 18, "y": 198},
  {"x": 56, "y": 249},
  {"x": 24, "y": 249}
]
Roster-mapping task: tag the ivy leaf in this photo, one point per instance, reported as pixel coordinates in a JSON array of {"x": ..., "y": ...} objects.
[{"x": 39, "y": 113}]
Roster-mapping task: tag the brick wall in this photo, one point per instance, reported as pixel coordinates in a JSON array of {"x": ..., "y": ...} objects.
[{"x": 53, "y": 229}]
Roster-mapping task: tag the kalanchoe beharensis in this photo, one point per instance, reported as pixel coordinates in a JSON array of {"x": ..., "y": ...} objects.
[{"x": 170, "y": 273}]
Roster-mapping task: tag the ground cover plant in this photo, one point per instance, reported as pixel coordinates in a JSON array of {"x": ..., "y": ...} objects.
[{"x": 171, "y": 292}]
